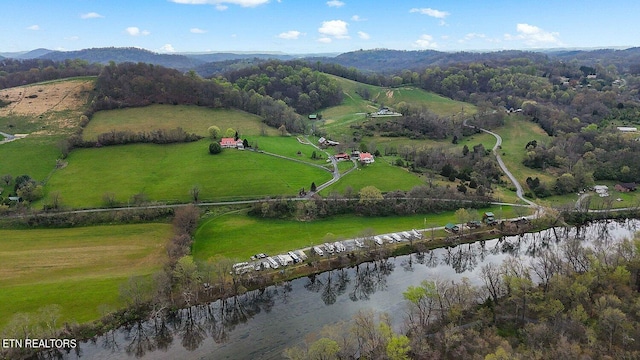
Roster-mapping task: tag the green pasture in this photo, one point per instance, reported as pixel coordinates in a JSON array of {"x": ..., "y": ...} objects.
[
  {"x": 238, "y": 236},
  {"x": 34, "y": 155},
  {"x": 288, "y": 146},
  {"x": 380, "y": 174},
  {"x": 168, "y": 172},
  {"x": 193, "y": 119},
  {"x": 516, "y": 133},
  {"x": 80, "y": 269}
]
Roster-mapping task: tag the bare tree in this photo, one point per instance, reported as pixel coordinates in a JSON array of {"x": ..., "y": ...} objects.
[{"x": 195, "y": 193}]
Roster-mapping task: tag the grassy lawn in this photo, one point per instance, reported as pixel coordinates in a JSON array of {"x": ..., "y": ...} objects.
[
  {"x": 79, "y": 269},
  {"x": 193, "y": 119},
  {"x": 34, "y": 156},
  {"x": 167, "y": 173},
  {"x": 288, "y": 146},
  {"x": 516, "y": 133},
  {"x": 238, "y": 236},
  {"x": 380, "y": 174}
]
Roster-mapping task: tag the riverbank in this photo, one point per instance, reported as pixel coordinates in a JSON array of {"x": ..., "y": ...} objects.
[
  {"x": 314, "y": 266},
  {"x": 264, "y": 322}
]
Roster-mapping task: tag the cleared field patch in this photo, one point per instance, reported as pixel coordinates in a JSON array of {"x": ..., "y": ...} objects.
[
  {"x": 380, "y": 174},
  {"x": 193, "y": 119},
  {"x": 290, "y": 147},
  {"x": 516, "y": 133},
  {"x": 76, "y": 268},
  {"x": 34, "y": 156},
  {"x": 47, "y": 112},
  {"x": 337, "y": 119},
  {"x": 48, "y": 108},
  {"x": 168, "y": 172},
  {"x": 238, "y": 236}
]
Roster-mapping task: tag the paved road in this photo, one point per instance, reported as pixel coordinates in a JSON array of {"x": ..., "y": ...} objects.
[
  {"x": 336, "y": 171},
  {"x": 496, "y": 152},
  {"x": 7, "y": 137}
]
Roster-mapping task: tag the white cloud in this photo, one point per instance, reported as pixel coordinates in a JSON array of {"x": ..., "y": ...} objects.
[
  {"x": 135, "y": 31},
  {"x": 357, "y": 18},
  {"x": 430, "y": 12},
  {"x": 34, "y": 27},
  {"x": 363, "y": 35},
  {"x": 73, "y": 38},
  {"x": 220, "y": 4},
  {"x": 335, "y": 3},
  {"x": 167, "y": 48},
  {"x": 197, "y": 31},
  {"x": 425, "y": 42},
  {"x": 91, "y": 15},
  {"x": 334, "y": 28},
  {"x": 534, "y": 36},
  {"x": 290, "y": 35},
  {"x": 324, "y": 40}
]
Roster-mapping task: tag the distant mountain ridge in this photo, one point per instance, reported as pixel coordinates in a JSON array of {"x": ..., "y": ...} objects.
[{"x": 374, "y": 60}]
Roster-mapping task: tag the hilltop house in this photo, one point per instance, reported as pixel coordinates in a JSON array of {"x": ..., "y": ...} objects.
[
  {"x": 327, "y": 142},
  {"x": 226, "y": 143},
  {"x": 342, "y": 156},
  {"x": 625, "y": 187},
  {"x": 366, "y": 158},
  {"x": 601, "y": 190}
]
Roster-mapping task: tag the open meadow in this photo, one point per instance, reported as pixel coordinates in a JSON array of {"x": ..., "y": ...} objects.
[
  {"x": 381, "y": 174},
  {"x": 79, "y": 269},
  {"x": 192, "y": 119},
  {"x": 168, "y": 172},
  {"x": 47, "y": 113},
  {"x": 516, "y": 133},
  {"x": 238, "y": 236}
]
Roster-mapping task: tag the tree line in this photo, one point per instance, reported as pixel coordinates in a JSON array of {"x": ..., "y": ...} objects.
[{"x": 22, "y": 72}]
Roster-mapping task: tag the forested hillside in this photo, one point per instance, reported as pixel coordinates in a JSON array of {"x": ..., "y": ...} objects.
[
  {"x": 21, "y": 72},
  {"x": 299, "y": 86}
]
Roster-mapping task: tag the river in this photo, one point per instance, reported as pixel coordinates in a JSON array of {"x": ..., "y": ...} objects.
[{"x": 262, "y": 323}]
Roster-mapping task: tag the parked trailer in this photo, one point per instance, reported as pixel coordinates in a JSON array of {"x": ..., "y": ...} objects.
[
  {"x": 301, "y": 255},
  {"x": 406, "y": 235},
  {"x": 396, "y": 237},
  {"x": 329, "y": 247},
  {"x": 274, "y": 264},
  {"x": 359, "y": 243},
  {"x": 318, "y": 250},
  {"x": 296, "y": 258},
  {"x": 378, "y": 240},
  {"x": 388, "y": 238}
]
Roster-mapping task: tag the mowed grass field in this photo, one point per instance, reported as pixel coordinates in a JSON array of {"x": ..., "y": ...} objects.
[
  {"x": 381, "y": 174},
  {"x": 80, "y": 269},
  {"x": 516, "y": 133},
  {"x": 192, "y": 119},
  {"x": 34, "y": 156},
  {"x": 238, "y": 236},
  {"x": 168, "y": 172}
]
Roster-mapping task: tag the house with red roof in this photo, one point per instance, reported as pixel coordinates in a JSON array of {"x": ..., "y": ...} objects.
[
  {"x": 366, "y": 158},
  {"x": 226, "y": 143}
]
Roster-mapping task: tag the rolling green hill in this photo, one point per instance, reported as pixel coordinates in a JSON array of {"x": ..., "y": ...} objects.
[{"x": 168, "y": 172}]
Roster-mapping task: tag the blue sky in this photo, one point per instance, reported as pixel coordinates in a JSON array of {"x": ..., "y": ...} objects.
[{"x": 310, "y": 26}]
